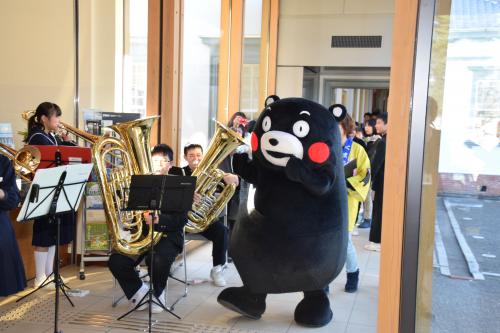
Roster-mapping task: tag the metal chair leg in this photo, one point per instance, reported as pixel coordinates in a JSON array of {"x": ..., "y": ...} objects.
[
  {"x": 172, "y": 306},
  {"x": 116, "y": 300}
]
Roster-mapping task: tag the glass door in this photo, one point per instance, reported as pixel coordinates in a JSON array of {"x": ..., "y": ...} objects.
[{"x": 451, "y": 261}]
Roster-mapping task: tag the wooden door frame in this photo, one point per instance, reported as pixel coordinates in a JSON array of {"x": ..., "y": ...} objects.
[
  {"x": 393, "y": 212},
  {"x": 268, "y": 49},
  {"x": 409, "y": 84},
  {"x": 164, "y": 85},
  {"x": 230, "y": 58}
]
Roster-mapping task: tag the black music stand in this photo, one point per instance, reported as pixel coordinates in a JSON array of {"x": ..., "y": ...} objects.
[
  {"x": 49, "y": 184},
  {"x": 158, "y": 192}
]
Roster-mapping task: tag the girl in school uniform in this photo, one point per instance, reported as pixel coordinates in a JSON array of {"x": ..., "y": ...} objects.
[
  {"x": 11, "y": 264},
  {"x": 41, "y": 131}
]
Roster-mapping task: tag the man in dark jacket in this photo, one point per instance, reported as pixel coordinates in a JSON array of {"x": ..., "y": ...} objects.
[
  {"x": 378, "y": 166},
  {"x": 216, "y": 232}
]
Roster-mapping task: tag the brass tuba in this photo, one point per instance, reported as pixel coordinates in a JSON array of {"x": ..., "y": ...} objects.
[
  {"x": 25, "y": 161},
  {"x": 209, "y": 180},
  {"x": 125, "y": 227},
  {"x": 115, "y": 161}
]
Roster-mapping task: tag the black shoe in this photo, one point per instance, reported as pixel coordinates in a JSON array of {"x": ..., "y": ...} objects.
[
  {"x": 351, "y": 285},
  {"x": 367, "y": 223},
  {"x": 241, "y": 300},
  {"x": 314, "y": 310}
]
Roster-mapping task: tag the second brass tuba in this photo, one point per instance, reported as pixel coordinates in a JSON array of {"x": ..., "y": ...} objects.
[
  {"x": 25, "y": 160},
  {"x": 209, "y": 180}
]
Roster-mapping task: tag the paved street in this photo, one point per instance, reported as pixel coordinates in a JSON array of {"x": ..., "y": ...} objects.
[{"x": 468, "y": 299}]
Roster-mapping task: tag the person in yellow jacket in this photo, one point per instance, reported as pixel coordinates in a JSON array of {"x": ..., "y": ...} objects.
[{"x": 357, "y": 174}]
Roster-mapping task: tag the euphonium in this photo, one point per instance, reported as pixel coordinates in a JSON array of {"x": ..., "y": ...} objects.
[
  {"x": 25, "y": 160},
  {"x": 209, "y": 180},
  {"x": 133, "y": 155}
]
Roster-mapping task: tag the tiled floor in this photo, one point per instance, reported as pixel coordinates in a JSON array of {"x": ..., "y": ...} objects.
[{"x": 199, "y": 311}]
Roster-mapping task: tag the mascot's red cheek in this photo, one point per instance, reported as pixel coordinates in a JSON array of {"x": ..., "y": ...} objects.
[
  {"x": 255, "y": 142},
  {"x": 319, "y": 152}
]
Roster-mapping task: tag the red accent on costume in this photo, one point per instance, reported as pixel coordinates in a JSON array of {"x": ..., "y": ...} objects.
[
  {"x": 319, "y": 152},
  {"x": 255, "y": 142}
]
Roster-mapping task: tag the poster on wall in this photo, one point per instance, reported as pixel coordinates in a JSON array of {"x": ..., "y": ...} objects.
[
  {"x": 97, "y": 122},
  {"x": 6, "y": 136}
]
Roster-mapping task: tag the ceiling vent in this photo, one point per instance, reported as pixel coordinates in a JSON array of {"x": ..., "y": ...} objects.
[{"x": 356, "y": 41}]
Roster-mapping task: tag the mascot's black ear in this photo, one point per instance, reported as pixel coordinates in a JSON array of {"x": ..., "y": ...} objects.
[
  {"x": 271, "y": 99},
  {"x": 339, "y": 111}
]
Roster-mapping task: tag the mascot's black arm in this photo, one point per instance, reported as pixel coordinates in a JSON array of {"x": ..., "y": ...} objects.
[
  {"x": 244, "y": 167},
  {"x": 318, "y": 183}
]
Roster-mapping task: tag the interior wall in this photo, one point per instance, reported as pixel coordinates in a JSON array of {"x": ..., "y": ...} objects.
[
  {"x": 289, "y": 81},
  {"x": 37, "y": 59},
  {"x": 306, "y": 29}
]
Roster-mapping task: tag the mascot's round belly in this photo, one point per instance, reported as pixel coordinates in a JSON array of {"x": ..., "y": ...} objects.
[{"x": 271, "y": 261}]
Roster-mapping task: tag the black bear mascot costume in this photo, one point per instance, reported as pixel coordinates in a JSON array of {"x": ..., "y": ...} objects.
[{"x": 296, "y": 238}]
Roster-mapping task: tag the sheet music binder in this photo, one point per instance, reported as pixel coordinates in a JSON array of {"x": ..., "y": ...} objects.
[{"x": 177, "y": 194}]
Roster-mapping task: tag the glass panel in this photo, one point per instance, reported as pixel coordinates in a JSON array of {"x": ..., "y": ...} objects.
[
  {"x": 249, "y": 102},
  {"x": 459, "y": 267},
  {"x": 200, "y": 66},
  {"x": 135, "y": 56}
]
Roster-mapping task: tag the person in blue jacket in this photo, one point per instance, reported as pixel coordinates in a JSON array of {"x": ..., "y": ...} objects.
[{"x": 11, "y": 265}]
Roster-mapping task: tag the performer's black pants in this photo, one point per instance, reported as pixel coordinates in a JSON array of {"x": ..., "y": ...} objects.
[
  {"x": 123, "y": 267},
  {"x": 376, "y": 227},
  {"x": 217, "y": 233}
]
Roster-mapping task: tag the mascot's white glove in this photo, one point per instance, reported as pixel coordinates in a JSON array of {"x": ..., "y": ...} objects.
[{"x": 243, "y": 149}]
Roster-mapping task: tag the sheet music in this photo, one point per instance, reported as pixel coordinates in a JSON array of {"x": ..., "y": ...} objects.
[{"x": 76, "y": 176}]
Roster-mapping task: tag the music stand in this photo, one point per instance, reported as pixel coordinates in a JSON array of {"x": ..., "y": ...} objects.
[
  {"x": 43, "y": 200},
  {"x": 158, "y": 192}
]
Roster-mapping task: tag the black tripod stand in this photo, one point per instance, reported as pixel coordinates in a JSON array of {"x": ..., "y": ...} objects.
[
  {"x": 146, "y": 193},
  {"x": 57, "y": 277},
  {"x": 50, "y": 208}
]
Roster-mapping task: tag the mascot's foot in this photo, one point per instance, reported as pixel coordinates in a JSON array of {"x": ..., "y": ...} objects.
[
  {"x": 314, "y": 310},
  {"x": 244, "y": 302}
]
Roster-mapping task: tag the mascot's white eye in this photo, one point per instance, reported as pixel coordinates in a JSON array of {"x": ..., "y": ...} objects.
[
  {"x": 301, "y": 128},
  {"x": 266, "y": 124}
]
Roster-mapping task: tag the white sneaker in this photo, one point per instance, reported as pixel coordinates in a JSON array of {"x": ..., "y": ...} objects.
[
  {"x": 217, "y": 276},
  {"x": 143, "y": 274},
  {"x": 355, "y": 232},
  {"x": 156, "y": 308},
  {"x": 175, "y": 266},
  {"x": 143, "y": 290},
  {"x": 373, "y": 247}
]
